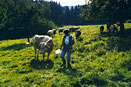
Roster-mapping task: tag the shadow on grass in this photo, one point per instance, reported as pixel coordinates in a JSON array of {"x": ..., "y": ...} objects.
[
  {"x": 70, "y": 72},
  {"x": 65, "y": 69},
  {"x": 120, "y": 41},
  {"x": 14, "y": 47},
  {"x": 36, "y": 64},
  {"x": 119, "y": 44},
  {"x": 94, "y": 81},
  {"x": 80, "y": 39},
  {"x": 123, "y": 34}
]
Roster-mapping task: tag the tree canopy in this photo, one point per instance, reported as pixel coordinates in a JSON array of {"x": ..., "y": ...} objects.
[
  {"x": 21, "y": 17},
  {"x": 107, "y": 10}
]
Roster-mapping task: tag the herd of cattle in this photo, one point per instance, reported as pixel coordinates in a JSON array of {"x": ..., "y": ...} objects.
[
  {"x": 44, "y": 43},
  {"x": 60, "y": 30},
  {"x": 110, "y": 28}
]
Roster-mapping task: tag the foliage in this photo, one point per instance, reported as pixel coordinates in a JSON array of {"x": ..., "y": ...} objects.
[
  {"x": 95, "y": 62},
  {"x": 22, "y": 18},
  {"x": 107, "y": 10}
]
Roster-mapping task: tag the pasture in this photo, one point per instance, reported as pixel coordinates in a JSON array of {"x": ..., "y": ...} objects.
[{"x": 97, "y": 61}]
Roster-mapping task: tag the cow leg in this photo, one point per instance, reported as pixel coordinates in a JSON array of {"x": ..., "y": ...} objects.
[
  {"x": 35, "y": 50},
  {"x": 37, "y": 54},
  {"x": 43, "y": 55},
  {"x": 48, "y": 55}
]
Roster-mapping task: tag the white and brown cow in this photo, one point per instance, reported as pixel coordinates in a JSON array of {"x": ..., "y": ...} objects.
[
  {"x": 42, "y": 44},
  {"x": 50, "y": 33},
  {"x": 113, "y": 28}
]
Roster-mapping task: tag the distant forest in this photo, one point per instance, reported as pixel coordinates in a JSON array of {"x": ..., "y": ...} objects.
[
  {"x": 67, "y": 15},
  {"x": 24, "y": 18}
]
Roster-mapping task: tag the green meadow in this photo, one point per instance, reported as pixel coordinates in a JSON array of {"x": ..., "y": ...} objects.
[{"x": 97, "y": 61}]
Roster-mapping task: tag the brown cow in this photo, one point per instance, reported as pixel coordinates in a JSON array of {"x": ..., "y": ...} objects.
[
  {"x": 77, "y": 34},
  {"x": 72, "y": 29},
  {"x": 101, "y": 29},
  {"x": 113, "y": 28},
  {"x": 61, "y": 30}
]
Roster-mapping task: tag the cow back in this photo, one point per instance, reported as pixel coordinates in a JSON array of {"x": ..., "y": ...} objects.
[{"x": 40, "y": 38}]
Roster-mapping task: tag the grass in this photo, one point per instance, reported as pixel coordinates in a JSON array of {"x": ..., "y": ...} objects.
[{"x": 97, "y": 61}]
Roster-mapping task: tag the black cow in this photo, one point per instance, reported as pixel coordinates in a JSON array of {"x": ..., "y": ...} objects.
[{"x": 77, "y": 34}]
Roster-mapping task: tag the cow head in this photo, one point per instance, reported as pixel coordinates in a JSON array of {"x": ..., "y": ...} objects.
[{"x": 44, "y": 47}]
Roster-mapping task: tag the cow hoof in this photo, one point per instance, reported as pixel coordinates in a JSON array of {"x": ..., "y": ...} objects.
[{"x": 48, "y": 60}]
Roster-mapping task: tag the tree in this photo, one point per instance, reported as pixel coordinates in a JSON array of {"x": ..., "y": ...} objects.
[
  {"x": 109, "y": 11},
  {"x": 24, "y": 18}
]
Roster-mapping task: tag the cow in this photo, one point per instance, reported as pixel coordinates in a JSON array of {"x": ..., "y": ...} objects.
[
  {"x": 54, "y": 31},
  {"x": 50, "y": 33},
  {"x": 113, "y": 28},
  {"x": 77, "y": 28},
  {"x": 118, "y": 24},
  {"x": 101, "y": 29},
  {"x": 42, "y": 43},
  {"x": 61, "y": 30},
  {"x": 77, "y": 34},
  {"x": 72, "y": 29}
]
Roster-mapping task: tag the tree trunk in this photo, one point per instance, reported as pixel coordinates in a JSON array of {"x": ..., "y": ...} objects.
[
  {"x": 27, "y": 31},
  {"x": 121, "y": 27}
]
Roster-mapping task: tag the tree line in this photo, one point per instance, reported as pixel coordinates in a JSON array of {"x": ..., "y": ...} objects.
[
  {"x": 24, "y": 18},
  {"x": 67, "y": 15}
]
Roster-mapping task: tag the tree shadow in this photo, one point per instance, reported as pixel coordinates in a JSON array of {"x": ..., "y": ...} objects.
[
  {"x": 120, "y": 42},
  {"x": 36, "y": 64},
  {"x": 14, "y": 47},
  {"x": 104, "y": 34},
  {"x": 123, "y": 34}
]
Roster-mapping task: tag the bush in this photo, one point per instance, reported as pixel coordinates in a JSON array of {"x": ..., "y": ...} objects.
[{"x": 42, "y": 26}]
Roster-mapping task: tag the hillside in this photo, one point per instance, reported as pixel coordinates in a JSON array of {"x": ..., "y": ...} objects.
[{"x": 97, "y": 60}]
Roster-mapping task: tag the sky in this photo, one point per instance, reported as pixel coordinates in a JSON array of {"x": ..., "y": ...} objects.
[{"x": 69, "y": 2}]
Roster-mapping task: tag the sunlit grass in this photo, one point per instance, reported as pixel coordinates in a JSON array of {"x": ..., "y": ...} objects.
[{"x": 96, "y": 61}]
